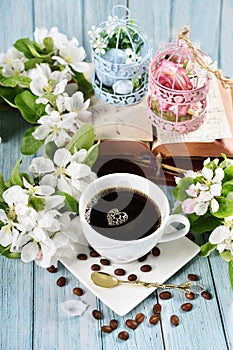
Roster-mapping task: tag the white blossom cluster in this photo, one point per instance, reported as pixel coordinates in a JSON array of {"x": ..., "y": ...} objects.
[
  {"x": 65, "y": 109},
  {"x": 34, "y": 222}
]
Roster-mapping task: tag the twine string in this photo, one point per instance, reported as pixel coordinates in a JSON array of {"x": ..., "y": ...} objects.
[{"x": 184, "y": 35}]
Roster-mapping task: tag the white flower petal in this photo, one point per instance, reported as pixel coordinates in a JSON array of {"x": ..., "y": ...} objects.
[
  {"x": 29, "y": 252},
  {"x": 78, "y": 171},
  {"x": 219, "y": 234},
  {"x": 214, "y": 205},
  {"x": 73, "y": 307},
  {"x": 41, "y": 165},
  {"x": 15, "y": 194},
  {"x": 201, "y": 208},
  {"x": 207, "y": 173},
  {"x": 62, "y": 157},
  {"x": 219, "y": 175}
]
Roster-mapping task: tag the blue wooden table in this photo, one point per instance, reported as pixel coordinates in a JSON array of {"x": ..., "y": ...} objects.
[{"x": 32, "y": 319}]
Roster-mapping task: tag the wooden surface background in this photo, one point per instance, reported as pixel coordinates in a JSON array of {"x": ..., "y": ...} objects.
[
  {"x": 30, "y": 316},
  {"x": 210, "y": 21}
]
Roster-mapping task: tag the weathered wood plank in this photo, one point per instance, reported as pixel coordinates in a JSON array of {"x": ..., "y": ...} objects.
[
  {"x": 226, "y": 43},
  {"x": 66, "y": 15},
  {"x": 16, "y": 21},
  {"x": 53, "y": 328}
]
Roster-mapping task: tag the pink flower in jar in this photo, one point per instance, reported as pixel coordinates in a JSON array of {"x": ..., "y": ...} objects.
[{"x": 171, "y": 75}]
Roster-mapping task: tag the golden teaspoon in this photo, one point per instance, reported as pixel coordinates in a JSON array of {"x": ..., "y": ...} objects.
[{"x": 104, "y": 279}]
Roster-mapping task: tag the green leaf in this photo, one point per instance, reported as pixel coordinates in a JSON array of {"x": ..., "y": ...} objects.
[
  {"x": 8, "y": 94},
  {"x": 228, "y": 174},
  {"x": 92, "y": 155},
  {"x": 2, "y": 184},
  {"x": 49, "y": 44},
  {"x": 30, "y": 110},
  {"x": 70, "y": 203},
  {"x": 83, "y": 85},
  {"x": 35, "y": 53},
  {"x": 23, "y": 46},
  {"x": 36, "y": 202},
  {"x": 84, "y": 138},
  {"x": 230, "y": 271},
  {"x": 204, "y": 223},
  {"x": 225, "y": 207},
  {"x": 180, "y": 190},
  {"x": 226, "y": 255},
  {"x": 50, "y": 148},
  {"x": 28, "y": 177},
  {"x": 206, "y": 249},
  {"x": 32, "y": 62},
  {"x": 29, "y": 145},
  {"x": 16, "y": 80},
  {"x": 15, "y": 178},
  {"x": 5, "y": 251}
]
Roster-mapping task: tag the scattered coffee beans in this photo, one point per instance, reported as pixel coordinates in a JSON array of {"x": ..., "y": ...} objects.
[
  {"x": 142, "y": 258},
  {"x": 165, "y": 295},
  {"x": 131, "y": 324},
  {"x": 175, "y": 320},
  {"x": 132, "y": 277},
  {"x": 82, "y": 256},
  {"x": 139, "y": 318},
  {"x": 157, "y": 308},
  {"x": 52, "y": 269},
  {"x": 94, "y": 254},
  {"x": 155, "y": 251},
  {"x": 190, "y": 295},
  {"x": 78, "y": 291},
  {"x": 187, "y": 306},
  {"x": 123, "y": 335},
  {"x": 192, "y": 277},
  {"x": 145, "y": 268},
  {"x": 206, "y": 295},
  {"x": 119, "y": 272},
  {"x": 106, "y": 329},
  {"x": 113, "y": 324},
  {"x": 105, "y": 262},
  {"x": 154, "y": 319},
  {"x": 61, "y": 281},
  {"x": 95, "y": 267},
  {"x": 96, "y": 314}
]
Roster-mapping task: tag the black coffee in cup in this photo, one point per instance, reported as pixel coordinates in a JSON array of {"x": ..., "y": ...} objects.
[{"x": 123, "y": 214}]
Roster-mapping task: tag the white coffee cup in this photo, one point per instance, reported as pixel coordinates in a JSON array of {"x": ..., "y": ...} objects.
[{"x": 119, "y": 251}]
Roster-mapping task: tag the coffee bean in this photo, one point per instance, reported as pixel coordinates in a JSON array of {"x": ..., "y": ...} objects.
[
  {"x": 139, "y": 318},
  {"x": 156, "y": 251},
  {"x": 119, "y": 272},
  {"x": 61, "y": 281},
  {"x": 113, "y": 323},
  {"x": 105, "y": 262},
  {"x": 132, "y": 277},
  {"x": 94, "y": 254},
  {"x": 131, "y": 324},
  {"x": 96, "y": 314},
  {"x": 154, "y": 319},
  {"x": 95, "y": 267},
  {"x": 187, "y": 306},
  {"x": 157, "y": 309},
  {"x": 190, "y": 295},
  {"x": 165, "y": 295},
  {"x": 106, "y": 329},
  {"x": 206, "y": 295},
  {"x": 142, "y": 258},
  {"x": 123, "y": 335},
  {"x": 52, "y": 269},
  {"x": 192, "y": 277},
  {"x": 82, "y": 256},
  {"x": 78, "y": 291},
  {"x": 175, "y": 320},
  {"x": 145, "y": 268}
]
